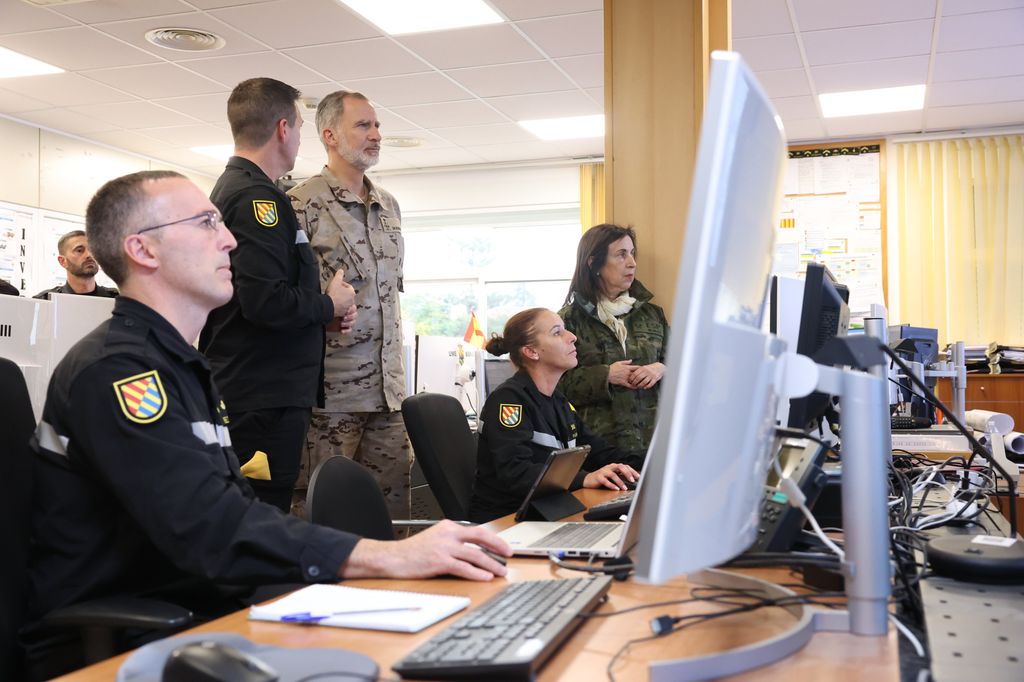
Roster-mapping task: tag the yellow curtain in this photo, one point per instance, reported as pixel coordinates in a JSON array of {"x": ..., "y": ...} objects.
[
  {"x": 591, "y": 195},
  {"x": 961, "y": 237}
]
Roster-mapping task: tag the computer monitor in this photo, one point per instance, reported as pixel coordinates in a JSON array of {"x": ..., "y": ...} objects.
[
  {"x": 823, "y": 315},
  {"x": 704, "y": 476}
]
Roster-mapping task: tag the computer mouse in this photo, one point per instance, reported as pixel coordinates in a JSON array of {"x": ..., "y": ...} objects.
[
  {"x": 630, "y": 485},
  {"x": 215, "y": 662}
]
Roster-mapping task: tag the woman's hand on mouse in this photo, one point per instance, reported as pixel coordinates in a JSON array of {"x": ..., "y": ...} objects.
[{"x": 611, "y": 476}]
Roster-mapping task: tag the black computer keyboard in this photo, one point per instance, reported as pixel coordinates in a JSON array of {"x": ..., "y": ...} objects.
[
  {"x": 509, "y": 636},
  {"x": 905, "y": 422},
  {"x": 612, "y": 509}
]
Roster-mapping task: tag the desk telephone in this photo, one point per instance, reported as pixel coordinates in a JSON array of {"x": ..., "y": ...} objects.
[{"x": 801, "y": 460}]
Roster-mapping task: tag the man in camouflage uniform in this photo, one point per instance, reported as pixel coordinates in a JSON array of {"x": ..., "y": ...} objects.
[{"x": 355, "y": 226}]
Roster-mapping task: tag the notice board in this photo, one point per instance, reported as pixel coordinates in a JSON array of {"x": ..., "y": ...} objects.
[{"x": 833, "y": 212}]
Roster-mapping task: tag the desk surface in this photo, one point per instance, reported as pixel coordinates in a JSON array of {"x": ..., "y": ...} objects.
[{"x": 585, "y": 656}]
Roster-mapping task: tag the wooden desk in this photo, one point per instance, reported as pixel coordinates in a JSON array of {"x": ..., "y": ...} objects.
[{"x": 835, "y": 657}]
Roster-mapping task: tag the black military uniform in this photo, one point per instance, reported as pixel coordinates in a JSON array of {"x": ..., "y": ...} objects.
[
  {"x": 137, "y": 486},
  {"x": 521, "y": 426},
  {"x": 266, "y": 346},
  {"x": 101, "y": 291}
]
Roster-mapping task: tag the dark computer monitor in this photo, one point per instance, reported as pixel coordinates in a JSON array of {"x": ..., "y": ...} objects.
[{"x": 824, "y": 314}]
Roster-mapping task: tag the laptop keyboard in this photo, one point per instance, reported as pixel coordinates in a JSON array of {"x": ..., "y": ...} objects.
[
  {"x": 576, "y": 535},
  {"x": 511, "y": 635}
]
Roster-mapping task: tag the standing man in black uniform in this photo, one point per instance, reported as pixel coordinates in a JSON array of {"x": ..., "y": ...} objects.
[
  {"x": 75, "y": 257},
  {"x": 266, "y": 346},
  {"x": 137, "y": 490}
]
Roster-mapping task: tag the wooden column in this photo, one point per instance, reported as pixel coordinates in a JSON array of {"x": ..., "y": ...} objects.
[{"x": 656, "y": 66}]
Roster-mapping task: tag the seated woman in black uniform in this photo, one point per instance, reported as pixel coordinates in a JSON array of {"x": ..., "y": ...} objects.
[{"x": 525, "y": 418}]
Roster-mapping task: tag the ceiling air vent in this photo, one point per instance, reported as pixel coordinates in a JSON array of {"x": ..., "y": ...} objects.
[{"x": 185, "y": 39}]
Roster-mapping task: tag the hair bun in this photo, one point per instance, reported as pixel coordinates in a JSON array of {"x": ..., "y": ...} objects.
[{"x": 496, "y": 345}]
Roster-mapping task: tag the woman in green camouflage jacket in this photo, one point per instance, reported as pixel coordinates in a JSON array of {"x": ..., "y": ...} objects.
[{"x": 621, "y": 340}]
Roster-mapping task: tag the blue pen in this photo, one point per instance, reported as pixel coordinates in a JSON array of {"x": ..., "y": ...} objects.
[{"x": 307, "y": 617}]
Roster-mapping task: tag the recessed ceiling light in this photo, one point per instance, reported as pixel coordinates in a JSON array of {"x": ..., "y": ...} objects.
[
  {"x": 879, "y": 101},
  {"x": 397, "y": 17},
  {"x": 569, "y": 128},
  {"x": 401, "y": 141},
  {"x": 14, "y": 65},
  {"x": 185, "y": 39}
]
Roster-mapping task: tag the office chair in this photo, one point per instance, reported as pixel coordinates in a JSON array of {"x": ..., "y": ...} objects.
[
  {"x": 445, "y": 448},
  {"x": 96, "y": 622},
  {"x": 344, "y": 495}
]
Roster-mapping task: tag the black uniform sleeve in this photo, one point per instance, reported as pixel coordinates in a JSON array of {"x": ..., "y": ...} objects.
[
  {"x": 508, "y": 446},
  {"x": 183, "y": 493},
  {"x": 259, "y": 266}
]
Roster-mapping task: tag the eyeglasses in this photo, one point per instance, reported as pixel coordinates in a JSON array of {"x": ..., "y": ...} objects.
[{"x": 208, "y": 220}]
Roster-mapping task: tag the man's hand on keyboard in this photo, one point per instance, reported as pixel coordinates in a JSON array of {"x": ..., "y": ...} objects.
[{"x": 441, "y": 549}]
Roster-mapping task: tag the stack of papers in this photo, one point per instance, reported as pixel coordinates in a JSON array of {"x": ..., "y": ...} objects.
[{"x": 353, "y": 607}]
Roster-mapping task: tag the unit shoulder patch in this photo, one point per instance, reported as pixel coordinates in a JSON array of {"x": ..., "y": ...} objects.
[
  {"x": 141, "y": 397},
  {"x": 510, "y": 415},
  {"x": 266, "y": 212}
]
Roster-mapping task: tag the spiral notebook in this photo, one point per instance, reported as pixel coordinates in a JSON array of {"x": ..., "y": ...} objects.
[{"x": 341, "y": 606}]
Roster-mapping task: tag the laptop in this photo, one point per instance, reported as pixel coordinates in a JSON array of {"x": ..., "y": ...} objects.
[{"x": 597, "y": 539}]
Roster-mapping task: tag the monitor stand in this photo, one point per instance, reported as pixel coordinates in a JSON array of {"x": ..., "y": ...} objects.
[{"x": 864, "y": 400}]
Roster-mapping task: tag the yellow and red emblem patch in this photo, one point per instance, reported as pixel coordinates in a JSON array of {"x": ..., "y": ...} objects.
[
  {"x": 510, "y": 415},
  {"x": 141, "y": 397},
  {"x": 266, "y": 212}
]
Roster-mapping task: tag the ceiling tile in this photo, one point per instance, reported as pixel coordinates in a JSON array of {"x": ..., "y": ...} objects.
[
  {"x": 65, "y": 89},
  {"x": 19, "y": 16},
  {"x": 876, "y": 124},
  {"x": 129, "y": 140},
  {"x": 216, "y": 4},
  {"x": 986, "y": 29},
  {"x": 428, "y": 140},
  {"x": 450, "y": 114},
  {"x": 867, "y": 43},
  {"x": 770, "y": 53},
  {"x": 98, "y": 11},
  {"x": 533, "y": 9},
  {"x": 359, "y": 59},
  {"x": 751, "y": 18},
  {"x": 67, "y": 121},
  {"x": 518, "y": 151},
  {"x": 975, "y": 115},
  {"x": 387, "y": 163},
  {"x": 298, "y": 23},
  {"x": 155, "y": 80},
  {"x": 974, "y": 64},
  {"x": 474, "y": 46},
  {"x": 134, "y": 32},
  {"x": 13, "y": 102},
  {"x": 550, "y": 105},
  {"x": 135, "y": 115},
  {"x": 230, "y": 71},
  {"x": 591, "y": 146},
  {"x": 597, "y": 95},
  {"x": 182, "y": 157},
  {"x": 884, "y": 73},
  {"x": 75, "y": 49},
  {"x": 209, "y": 108},
  {"x": 420, "y": 88},
  {"x": 804, "y": 129},
  {"x": 502, "y": 133},
  {"x": 391, "y": 122},
  {"x": 795, "y": 108},
  {"x": 970, "y": 6},
  {"x": 587, "y": 70},
  {"x": 453, "y": 156},
  {"x": 511, "y": 79},
  {"x": 784, "y": 83},
  {"x": 189, "y": 136},
  {"x": 957, "y": 93},
  {"x": 814, "y": 15},
  {"x": 568, "y": 35}
]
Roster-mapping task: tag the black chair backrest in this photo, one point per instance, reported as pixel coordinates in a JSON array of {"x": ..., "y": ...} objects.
[
  {"x": 343, "y": 495},
  {"x": 445, "y": 448},
  {"x": 17, "y": 424}
]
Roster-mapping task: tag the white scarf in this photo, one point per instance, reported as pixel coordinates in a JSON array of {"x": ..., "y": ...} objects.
[{"x": 609, "y": 312}]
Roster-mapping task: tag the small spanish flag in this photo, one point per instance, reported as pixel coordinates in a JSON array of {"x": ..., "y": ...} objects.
[{"x": 474, "y": 334}]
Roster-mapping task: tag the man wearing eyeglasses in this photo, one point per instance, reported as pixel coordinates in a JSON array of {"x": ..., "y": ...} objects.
[
  {"x": 266, "y": 346},
  {"x": 137, "y": 490}
]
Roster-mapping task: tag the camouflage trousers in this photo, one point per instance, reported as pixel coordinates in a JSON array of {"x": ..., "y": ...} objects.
[{"x": 377, "y": 440}]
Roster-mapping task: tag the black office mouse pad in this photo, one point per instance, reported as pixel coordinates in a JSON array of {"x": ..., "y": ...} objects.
[{"x": 147, "y": 663}]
